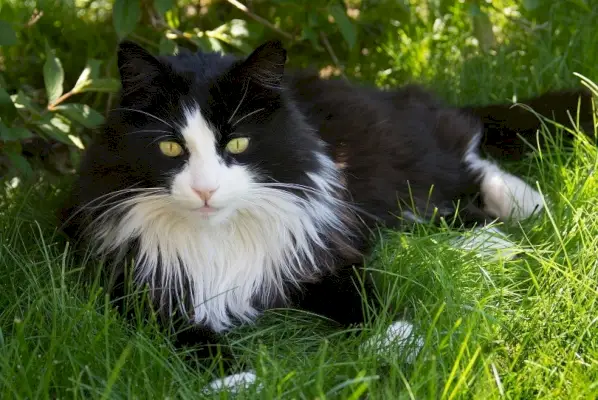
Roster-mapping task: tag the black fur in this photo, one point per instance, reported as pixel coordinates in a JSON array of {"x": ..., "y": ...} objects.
[{"x": 394, "y": 146}]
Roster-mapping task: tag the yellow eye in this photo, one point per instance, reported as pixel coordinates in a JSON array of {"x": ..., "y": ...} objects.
[
  {"x": 238, "y": 145},
  {"x": 171, "y": 149}
]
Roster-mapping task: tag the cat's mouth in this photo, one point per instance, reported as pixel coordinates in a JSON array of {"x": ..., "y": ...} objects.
[
  {"x": 206, "y": 210},
  {"x": 212, "y": 215}
]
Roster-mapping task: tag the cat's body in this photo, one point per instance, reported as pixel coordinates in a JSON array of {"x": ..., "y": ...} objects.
[{"x": 269, "y": 194}]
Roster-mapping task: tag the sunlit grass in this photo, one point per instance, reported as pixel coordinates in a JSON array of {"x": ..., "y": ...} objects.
[{"x": 526, "y": 328}]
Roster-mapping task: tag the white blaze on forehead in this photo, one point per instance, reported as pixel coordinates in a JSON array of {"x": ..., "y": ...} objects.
[{"x": 205, "y": 164}]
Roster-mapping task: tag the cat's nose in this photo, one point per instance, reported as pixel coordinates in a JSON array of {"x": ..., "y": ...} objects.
[{"x": 205, "y": 194}]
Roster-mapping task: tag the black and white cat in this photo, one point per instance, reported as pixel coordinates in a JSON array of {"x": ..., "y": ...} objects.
[{"x": 233, "y": 186}]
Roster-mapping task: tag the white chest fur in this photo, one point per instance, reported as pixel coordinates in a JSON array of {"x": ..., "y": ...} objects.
[{"x": 224, "y": 267}]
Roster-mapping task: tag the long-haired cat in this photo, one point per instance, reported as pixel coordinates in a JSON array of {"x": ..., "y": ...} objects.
[{"x": 232, "y": 186}]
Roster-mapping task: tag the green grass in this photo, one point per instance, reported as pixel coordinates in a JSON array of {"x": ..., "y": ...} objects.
[{"x": 518, "y": 329}]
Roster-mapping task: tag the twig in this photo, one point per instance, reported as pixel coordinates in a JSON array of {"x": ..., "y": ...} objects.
[
  {"x": 52, "y": 106},
  {"x": 144, "y": 40},
  {"x": 330, "y": 51},
  {"x": 34, "y": 18},
  {"x": 259, "y": 19},
  {"x": 159, "y": 23}
]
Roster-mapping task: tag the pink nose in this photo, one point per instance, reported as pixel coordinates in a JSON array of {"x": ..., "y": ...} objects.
[{"x": 204, "y": 194}]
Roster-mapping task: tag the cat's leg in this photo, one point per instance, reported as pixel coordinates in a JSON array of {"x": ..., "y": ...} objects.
[
  {"x": 337, "y": 297},
  {"x": 233, "y": 383},
  {"x": 340, "y": 297},
  {"x": 201, "y": 344},
  {"x": 504, "y": 195},
  {"x": 343, "y": 297},
  {"x": 208, "y": 345},
  {"x": 400, "y": 336}
]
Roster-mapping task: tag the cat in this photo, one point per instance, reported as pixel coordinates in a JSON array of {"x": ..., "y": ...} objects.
[{"x": 234, "y": 185}]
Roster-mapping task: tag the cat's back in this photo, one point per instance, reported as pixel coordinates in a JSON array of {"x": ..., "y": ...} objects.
[
  {"x": 390, "y": 144},
  {"x": 351, "y": 114}
]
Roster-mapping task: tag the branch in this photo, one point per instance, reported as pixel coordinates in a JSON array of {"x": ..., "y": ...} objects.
[
  {"x": 52, "y": 106},
  {"x": 158, "y": 23},
  {"x": 34, "y": 18},
  {"x": 330, "y": 51},
  {"x": 259, "y": 19}
]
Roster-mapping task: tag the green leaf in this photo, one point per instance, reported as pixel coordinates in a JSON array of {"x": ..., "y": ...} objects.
[
  {"x": 12, "y": 147},
  {"x": 206, "y": 43},
  {"x": 235, "y": 33},
  {"x": 346, "y": 27},
  {"x": 125, "y": 16},
  {"x": 20, "y": 163},
  {"x": 308, "y": 33},
  {"x": 531, "y": 5},
  {"x": 56, "y": 129},
  {"x": 8, "y": 111},
  {"x": 91, "y": 71},
  {"x": 8, "y": 36},
  {"x": 482, "y": 28},
  {"x": 167, "y": 46},
  {"x": 13, "y": 151},
  {"x": 94, "y": 66},
  {"x": 15, "y": 133},
  {"x": 172, "y": 19},
  {"x": 163, "y": 5},
  {"x": 61, "y": 123},
  {"x": 104, "y": 85},
  {"x": 75, "y": 158},
  {"x": 22, "y": 100},
  {"x": 53, "y": 76},
  {"x": 77, "y": 141},
  {"x": 81, "y": 113},
  {"x": 3, "y": 130}
]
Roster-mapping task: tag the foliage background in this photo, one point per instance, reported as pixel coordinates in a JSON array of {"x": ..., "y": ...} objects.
[{"x": 57, "y": 57}]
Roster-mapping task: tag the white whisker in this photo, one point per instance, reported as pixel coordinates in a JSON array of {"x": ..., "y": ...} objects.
[
  {"x": 107, "y": 197},
  {"x": 248, "y": 115},
  {"x": 145, "y": 113},
  {"x": 160, "y": 138},
  {"x": 151, "y": 131},
  {"x": 240, "y": 102},
  {"x": 307, "y": 189}
]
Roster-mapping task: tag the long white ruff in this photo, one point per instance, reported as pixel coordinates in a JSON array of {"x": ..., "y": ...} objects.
[{"x": 270, "y": 241}]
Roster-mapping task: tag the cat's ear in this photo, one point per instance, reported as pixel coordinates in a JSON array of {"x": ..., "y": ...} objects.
[
  {"x": 137, "y": 66},
  {"x": 265, "y": 65}
]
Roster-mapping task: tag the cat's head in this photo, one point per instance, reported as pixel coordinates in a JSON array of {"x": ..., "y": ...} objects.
[{"x": 210, "y": 132}]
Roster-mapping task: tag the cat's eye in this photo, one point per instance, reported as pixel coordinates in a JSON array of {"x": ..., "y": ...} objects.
[
  {"x": 237, "y": 145},
  {"x": 170, "y": 148}
]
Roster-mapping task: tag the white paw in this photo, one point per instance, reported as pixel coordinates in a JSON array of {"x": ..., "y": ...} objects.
[
  {"x": 233, "y": 383},
  {"x": 398, "y": 336},
  {"x": 507, "y": 196},
  {"x": 490, "y": 243}
]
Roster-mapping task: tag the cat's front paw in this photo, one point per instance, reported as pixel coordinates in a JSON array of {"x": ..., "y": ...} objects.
[
  {"x": 234, "y": 383},
  {"x": 399, "y": 336},
  {"x": 489, "y": 243}
]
